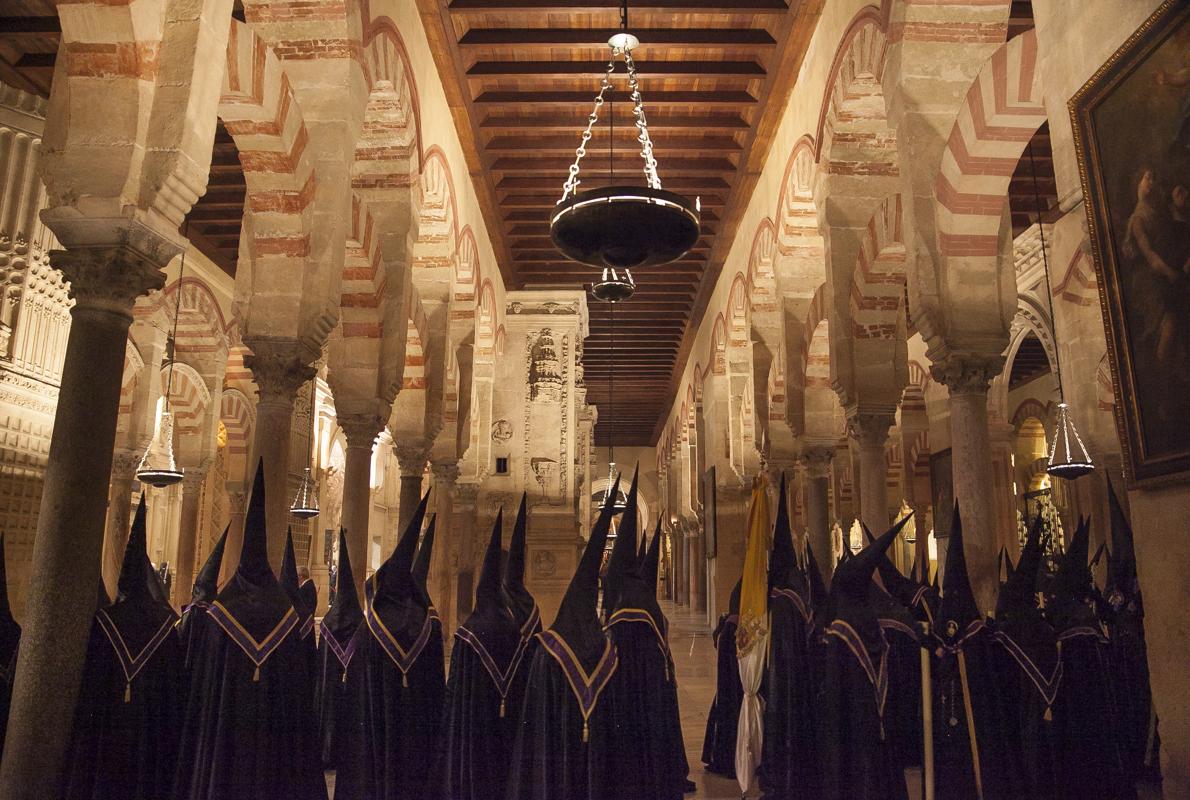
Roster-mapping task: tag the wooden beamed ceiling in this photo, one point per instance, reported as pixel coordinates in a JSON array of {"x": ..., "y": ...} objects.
[{"x": 521, "y": 77}]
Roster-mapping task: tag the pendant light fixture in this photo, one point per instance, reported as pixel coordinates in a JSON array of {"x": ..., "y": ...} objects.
[
  {"x": 1068, "y": 456},
  {"x": 305, "y": 501},
  {"x": 622, "y": 226},
  {"x": 157, "y": 467}
]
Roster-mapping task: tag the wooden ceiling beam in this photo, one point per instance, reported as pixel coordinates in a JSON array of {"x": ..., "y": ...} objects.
[
  {"x": 548, "y": 201},
  {"x": 687, "y": 182},
  {"x": 599, "y": 144},
  {"x": 631, "y": 160},
  {"x": 596, "y": 6},
  {"x": 686, "y": 38},
  {"x": 13, "y": 27},
  {"x": 653, "y": 69},
  {"x": 569, "y": 99},
  {"x": 574, "y": 123}
]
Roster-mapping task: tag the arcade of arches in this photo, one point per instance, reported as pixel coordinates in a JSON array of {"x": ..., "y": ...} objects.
[{"x": 296, "y": 218}]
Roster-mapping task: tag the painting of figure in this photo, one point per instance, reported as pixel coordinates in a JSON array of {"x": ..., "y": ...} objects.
[{"x": 1132, "y": 132}]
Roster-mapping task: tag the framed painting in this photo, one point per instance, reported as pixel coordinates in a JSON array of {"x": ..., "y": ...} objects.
[
  {"x": 941, "y": 492},
  {"x": 1132, "y": 138},
  {"x": 709, "y": 533}
]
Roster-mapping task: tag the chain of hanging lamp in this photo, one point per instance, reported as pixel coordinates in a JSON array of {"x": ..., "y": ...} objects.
[
  {"x": 1068, "y": 456},
  {"x": 620, "y": 46},
  {"x": 305, "y": 500}
]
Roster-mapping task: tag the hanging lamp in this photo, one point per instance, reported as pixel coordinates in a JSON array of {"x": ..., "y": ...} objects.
[
  {"x": 305, "y": 501},
  {"x": 620, "y": 501},
  {"x": 1068, "y": 456},
  {"x": 158, "y": 467},
  {"x": 622, "y": 226}
]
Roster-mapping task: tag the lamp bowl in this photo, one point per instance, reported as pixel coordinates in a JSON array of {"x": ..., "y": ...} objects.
[{"x": 624, "y": 227}]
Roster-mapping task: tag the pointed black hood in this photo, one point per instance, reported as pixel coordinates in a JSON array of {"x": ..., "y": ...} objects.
[
  {"x": 958, "y": 608},
  {"x": 622, "y": 563},
  {"x": 425, "y": 555},
  {"x": 395, "y": 606},
  {"x": 577, "y": 622},
  {"x": 642, "y": 552},
  {"x": 904, "y": 590},
  {"x": 289, "y": 582},
  {"x": 492, "y": 628},
  {"x": 139, "y": 619},
  {"x": 252, "y": 608},
  {"x": 206, "y": 584},
  {"x": 1123, "y": 587},
  {"x": 1018, "y": 594},
  {"x": 783, "y": 568},
  {"x": 488, "y": 590},
  {"x": 819, "y": 595},
  {"x": 651, "y": 563},
  {"x": 344, "y": 616},
  {"x": 394, "y": 579},
  {"x": 851, "y": 598},
  {"x": 524, "y": 606},
  {"x": 1074, "y": 574}
]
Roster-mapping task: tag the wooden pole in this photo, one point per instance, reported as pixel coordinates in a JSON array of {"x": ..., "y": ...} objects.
[
  {"x": 927, "y": 719},
  {"x": 970, "y": 726}
]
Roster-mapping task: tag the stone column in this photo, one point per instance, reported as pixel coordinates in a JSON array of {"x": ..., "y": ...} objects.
[
  {"x": 188, "y": 533},
  {"x": 463, "y": 508},
  {"x": 67, "y": 551},
  {"x": 237, "y": 506},
  {"x": 968, "y": 379},
  {"x": 444, "y": 580},
  {"x": 119, "y": 516},
  {"x": 696, "y": 576},
  {"x": 817, "y": 463},
  {"x": 360, "y": 431},
  {"x": 869, "y": 429},
  {"x": 412, "y": 459},
  {"x": 279, "y": 367}
]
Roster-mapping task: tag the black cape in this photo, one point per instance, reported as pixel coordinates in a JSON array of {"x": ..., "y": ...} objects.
[
  {"x": 338, "y": 683},
  {"x": 206, "y": 586},
  {"x": 10, "y": 639},
  {"x": 482, "y": 703},
  {"x": 247, "y": 683},
  {"x": 566, "y": 743},
  {"x": 788, "y": 760},
  {"x": 642, "y": 693},
  {"x": 125, "y": 738},
  {"x": 400, "y": 696},
  {"x": 857, "y": 758},
  {"x": 723, "y": 720}
]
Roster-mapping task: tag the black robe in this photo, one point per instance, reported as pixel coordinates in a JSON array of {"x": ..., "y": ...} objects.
[
  {"x": 723, "y": 720},
  {"x": 125, "y": 738},
  {"x": 10, "y": 639},
  {"x": 399, "y": 701},
  {"x": 338, "y": 682},
  {"x": 788, "y": 766}
]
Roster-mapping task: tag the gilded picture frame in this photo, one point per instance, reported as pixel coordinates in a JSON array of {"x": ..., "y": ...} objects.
[{"x": 1131, "y": 124}]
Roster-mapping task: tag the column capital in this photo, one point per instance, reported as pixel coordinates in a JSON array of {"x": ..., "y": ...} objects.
[
  {"x": 445, "y": 471},
  {"x": 360, "y": 430},
  {"x": 967, "y": 374},
  {"x": 816, "y": 460},
  {"x": 125, "y": 462},
  {"x": 193, "y": 477},
  {"x": 279, "y": 366},
  {"x": 869, "y": 426},
  {"x": 412, "y": 457},
  {"x": 466, "y": 494},
  {"x": 110, "y": 278}
]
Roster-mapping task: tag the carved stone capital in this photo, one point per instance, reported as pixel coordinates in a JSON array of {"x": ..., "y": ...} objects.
[
  {"x": 124, "y": 464},
  {"x": 445, "y": 471},
  {"x": 360, "y": 430},
  {"x": 967, "y": 374},
  {"x": 237, "y": 500},
  {"x": 412, "y": 457},
  {"x": 279, "y": 367},
  {"x": 193, "y": 477},
  {"x": 109, "y": 278},
  {"x": 817, "y": 461},
  {"x": 466, "y": 495},
  {"x": 869, "y": 427}
]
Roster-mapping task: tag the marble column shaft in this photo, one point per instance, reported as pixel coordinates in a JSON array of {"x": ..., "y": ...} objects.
[
  {"x": 237, "y": 506},
  {"x": 817, "y": 463},
  {"x": 119, "y": 516},
  {"x": 188, "y": 534},
  {"x": 361, "y": 431},
  {"x": 67, "y": 550},
  {"x": 412, "y": 460},
  {"x": 870, "y": 431}
]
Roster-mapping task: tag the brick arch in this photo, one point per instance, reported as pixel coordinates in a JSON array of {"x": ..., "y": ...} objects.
[
  {"x": 262, "y": 115},
  {"x": 717, "y": 357},
  {"x": 386, "y": 60},
  {"x": 468, "y": 273},
  {"x": 1032, "y": 407},
  {"x": 797, "y": 183},
  {"x": 202, "y": 326},
  {"x": 853, "y": 134},
  {"x": 878, "y": 281},
  {"x": 238, "y": 415},
  {"x": 189, "y": 397},
  {"x": 1078, "y": 284},
  {"x": 737, "y": 313},
  {"x": 1002, "y": 110},
  {"x": 486, "y": 323},
  {"x": 435, "y": 200},
  {"x": 362, "y": 292}
]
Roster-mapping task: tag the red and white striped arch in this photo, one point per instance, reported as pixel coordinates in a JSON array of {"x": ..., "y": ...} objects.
[
  {"x": 189, "y": 397},
  {"x": 201, "y": 324},
  {"x": 878, "y": 281},
  {"x": 238, "y": 415},
  {"x": 362, "y": 292},
  {"x": 1001, "y": 112}
]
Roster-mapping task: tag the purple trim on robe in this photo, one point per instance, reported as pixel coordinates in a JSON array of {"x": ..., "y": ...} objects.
[
  {"x": 877, "y": 675},
  {"x": 586, "y": 688},
  {"x": 1047, "y": 688},
  {"x": 258, "y": 652},
  {"x": 502, "y": 678},
  {"x": 639, "y": 615},
  {"x": 1082, "y": 630},
  {"x": 132, "y": 664},
  {"x": 342, "y": 652},
  {"x": 974, "y": 627},
  {"x": 402, "y": 658},
  {"x": 532, "y": 625},
  {"x": 798, "y": 603},
  {"x": 307, "y": 627},
  {"x": 887, "y": 623}
]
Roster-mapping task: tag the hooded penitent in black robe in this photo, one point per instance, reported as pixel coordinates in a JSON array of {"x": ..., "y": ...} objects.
[
  {"x": 308, "y": 742},
  {"x": 10, "y": 638},
  {"x": 523, "y": 605},
  {"x": 338, "y": 683},
  {"x": 125, "y": 739},
  {"x": 789, "y": 764},
  {"x": 1084, "y": 714},
  {"x": 482, "y": 713},
  {"x": 856, "y": 756},
  {"x": 641, "y": 693},
  {"x": 965, "y": 690},
  {"x": 1129, "y": 658},
  {"x": 567, "y": 741},
  {"x": 246, "y": 696},
  {"x": 195, "y": 619},
  {"x": 723, "y": 721},
  {"x": 401, "y": 693},
  {"x": 1029, "y": 672}
]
